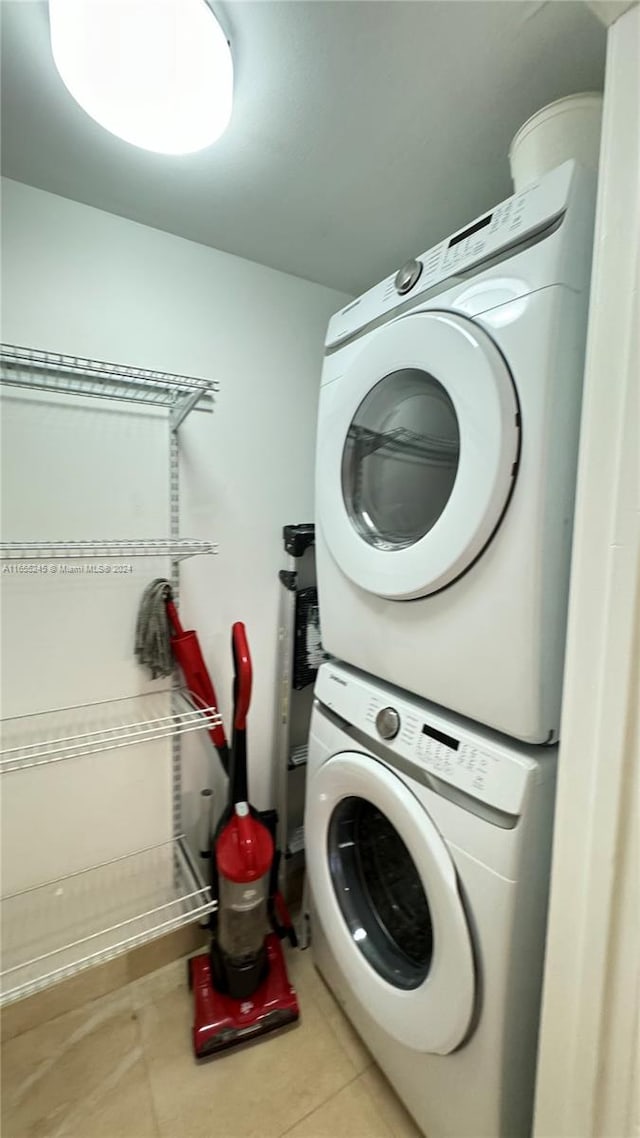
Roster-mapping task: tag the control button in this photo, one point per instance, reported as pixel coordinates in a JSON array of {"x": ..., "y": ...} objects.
[
  {"x": 388, "y": 723},
  {"x": 407, "y": 276}
]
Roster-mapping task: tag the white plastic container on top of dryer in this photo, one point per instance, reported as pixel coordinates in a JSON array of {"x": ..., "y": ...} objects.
[
  {"x": 483, "y": 1086},
  {"x": 491, "y": 644}
]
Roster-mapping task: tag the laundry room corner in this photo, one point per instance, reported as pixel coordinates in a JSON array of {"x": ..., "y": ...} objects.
[
  {"x": 319, "y": 569},
  {"x": 76, "y": 278}
]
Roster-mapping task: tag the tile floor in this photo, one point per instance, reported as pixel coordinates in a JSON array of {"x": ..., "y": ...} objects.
[{"x": 121, "y": 1067}]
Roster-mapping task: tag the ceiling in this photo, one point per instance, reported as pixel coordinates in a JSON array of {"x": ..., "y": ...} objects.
[{"x": 363, "y": 131}]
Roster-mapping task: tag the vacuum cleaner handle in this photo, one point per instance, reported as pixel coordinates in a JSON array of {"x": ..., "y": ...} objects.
[
  {"x": 241, "y": 700},
  {"x": 243, "y": 675}
]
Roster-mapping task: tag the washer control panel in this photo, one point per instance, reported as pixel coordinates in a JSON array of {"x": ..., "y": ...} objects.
[
  {"x": 468, "y": 767},
  {"x": 468, "y": 757},
  {"x": 407, "y": 277}
]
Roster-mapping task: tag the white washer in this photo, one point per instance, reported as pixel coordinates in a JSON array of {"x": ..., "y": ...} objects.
[
  {"x": 447, "y": 446},
  {"x": 428, "y": 845}
]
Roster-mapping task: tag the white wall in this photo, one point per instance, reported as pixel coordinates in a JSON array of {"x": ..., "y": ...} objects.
[{"x": 78, "y": 280}]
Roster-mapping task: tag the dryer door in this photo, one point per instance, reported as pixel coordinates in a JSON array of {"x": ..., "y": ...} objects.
[
  {"x": 385, "y": 890},
  {"x": 417, "y": 452}
]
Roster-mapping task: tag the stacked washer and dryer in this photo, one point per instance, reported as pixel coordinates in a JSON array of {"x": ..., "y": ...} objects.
[{"x": 446, "y": 463}]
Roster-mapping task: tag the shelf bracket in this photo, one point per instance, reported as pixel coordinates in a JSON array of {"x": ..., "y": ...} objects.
[{"x": 179, "y": 413}]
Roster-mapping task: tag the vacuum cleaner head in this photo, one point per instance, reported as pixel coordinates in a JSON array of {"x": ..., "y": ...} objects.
[{"x": 221, "y": 1022}]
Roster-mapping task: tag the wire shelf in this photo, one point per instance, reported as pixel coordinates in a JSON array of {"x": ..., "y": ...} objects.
[
  {"x": 69, "y": 733},
  {"x": 177, "y": 549},
  {"x": 76, "y": 375},
  {"x": 55, "y": 930}
]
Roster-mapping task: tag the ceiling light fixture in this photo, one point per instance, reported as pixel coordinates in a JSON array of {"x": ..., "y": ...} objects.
[{"x": 157, "y": 73}]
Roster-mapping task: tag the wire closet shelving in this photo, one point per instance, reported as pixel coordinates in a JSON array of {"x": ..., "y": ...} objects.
[
  {"x": 75, "y": 375},
  {"x": 87, "y": 729},
  {"x": 177, "y": 549},
  {"x": 55, "y": 929}
]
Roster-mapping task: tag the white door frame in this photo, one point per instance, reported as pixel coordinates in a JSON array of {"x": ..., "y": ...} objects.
[{"x": 589, "y": 1052}]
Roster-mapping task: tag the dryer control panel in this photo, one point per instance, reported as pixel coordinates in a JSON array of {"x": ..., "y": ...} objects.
[
  {"x": 512, "y": 221},
  {"x": 467, "y": 756}
]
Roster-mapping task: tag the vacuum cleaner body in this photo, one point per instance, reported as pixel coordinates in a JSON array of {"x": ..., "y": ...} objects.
[
  {"x": 241, "y": 989},
  {"x": 244, "y": 854}
]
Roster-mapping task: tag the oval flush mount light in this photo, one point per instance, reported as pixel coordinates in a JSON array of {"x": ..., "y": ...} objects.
[{"x": 157, "y": 73}]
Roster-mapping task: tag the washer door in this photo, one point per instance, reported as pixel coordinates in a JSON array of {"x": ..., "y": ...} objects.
[
  {"x": 417, "y": 454},
  {"x": 385, "y": 891}
]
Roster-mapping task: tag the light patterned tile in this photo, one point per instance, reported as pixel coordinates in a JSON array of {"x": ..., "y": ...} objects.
[
  {"x": 81, "y": 1075},
  {"x": 304, "y": 976},
  {"x": 388, "y": 1105},
  {"x": 256, "y": 1091},
  {"x": 348, "y": 1114},
  {"x": 303, "y": 973},
  {"x": 64, "y": 997},
  {"x": 120, "y": 1107},
  {"x": 349, "y": 1039}
]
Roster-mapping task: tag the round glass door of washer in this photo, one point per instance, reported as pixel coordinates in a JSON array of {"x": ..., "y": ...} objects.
[
  {"x": 385, "y": 891},
  {"x": 380, "y": 893}
]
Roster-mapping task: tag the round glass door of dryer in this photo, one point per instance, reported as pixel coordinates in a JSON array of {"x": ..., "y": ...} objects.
[
  {"x": 400, "y": 459},
  {"x": 418, "y": 447}
]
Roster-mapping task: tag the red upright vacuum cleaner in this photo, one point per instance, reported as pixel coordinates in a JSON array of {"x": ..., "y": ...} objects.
[{"x": 241, "y": 988}]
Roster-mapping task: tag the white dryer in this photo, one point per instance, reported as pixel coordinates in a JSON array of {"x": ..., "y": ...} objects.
[
  {"x": 447, "y": 447},
  {"x": 428, "y": 844}
]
